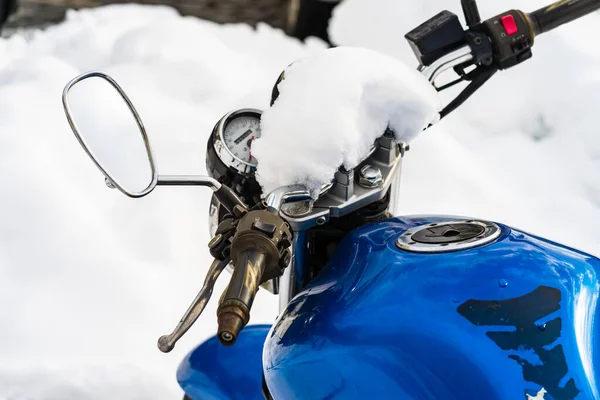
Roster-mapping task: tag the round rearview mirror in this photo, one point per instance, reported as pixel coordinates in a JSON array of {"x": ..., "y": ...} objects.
[{"x": 111, "y": 132}]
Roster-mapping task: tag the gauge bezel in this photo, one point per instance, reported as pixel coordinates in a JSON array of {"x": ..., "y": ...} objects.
[{"x": 223, "y": 152}]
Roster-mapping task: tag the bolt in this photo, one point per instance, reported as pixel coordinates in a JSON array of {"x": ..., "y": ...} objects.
[
  {"x": 109, "y": 183},
  {"x": 370, "y": 177},
  {"x": 321, "y": 220},
  {"x": 477, "y": 40},
  {"x": 215, "y": 241}
]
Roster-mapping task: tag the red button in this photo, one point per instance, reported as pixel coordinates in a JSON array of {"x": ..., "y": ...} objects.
[{"x": 508, "y": 21}]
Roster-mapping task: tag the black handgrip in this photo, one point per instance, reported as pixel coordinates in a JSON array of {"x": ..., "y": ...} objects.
[{"x": 561, "y": 12}]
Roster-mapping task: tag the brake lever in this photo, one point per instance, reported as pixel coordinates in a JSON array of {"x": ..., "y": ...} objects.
[{"x": 166, "y": 343}]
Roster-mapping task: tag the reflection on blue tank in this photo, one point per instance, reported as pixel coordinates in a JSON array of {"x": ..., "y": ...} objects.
[
  {"x": 513, "y": 319},
  {"x": 214, "y": 372}
]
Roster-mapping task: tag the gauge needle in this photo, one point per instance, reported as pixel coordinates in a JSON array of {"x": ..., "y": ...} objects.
[{"x": 250, "y": 147}]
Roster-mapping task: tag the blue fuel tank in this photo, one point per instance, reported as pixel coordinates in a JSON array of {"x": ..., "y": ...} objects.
[{"x": 435, "y": 308}]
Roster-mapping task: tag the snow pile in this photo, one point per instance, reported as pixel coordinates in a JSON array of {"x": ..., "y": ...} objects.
[{"x": 330, "y": 110}]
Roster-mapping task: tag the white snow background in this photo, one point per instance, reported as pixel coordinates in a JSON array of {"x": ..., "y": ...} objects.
[{"x": 89, "y": 279}]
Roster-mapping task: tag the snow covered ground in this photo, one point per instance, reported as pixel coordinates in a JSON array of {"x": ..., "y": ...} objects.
[{"x": 89, "y": 279}]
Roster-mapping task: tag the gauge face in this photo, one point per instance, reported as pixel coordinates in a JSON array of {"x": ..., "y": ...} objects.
[{"x": 238, "y": 135}]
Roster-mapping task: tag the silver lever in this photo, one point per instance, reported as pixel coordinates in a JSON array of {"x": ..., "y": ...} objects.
[{"x": 166, "y": 343}]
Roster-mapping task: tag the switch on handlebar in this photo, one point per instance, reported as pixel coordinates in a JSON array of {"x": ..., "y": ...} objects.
[{"x": 512, "y": 37}]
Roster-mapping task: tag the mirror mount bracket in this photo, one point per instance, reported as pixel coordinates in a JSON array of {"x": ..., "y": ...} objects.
[{"x": 224, "y": 194}]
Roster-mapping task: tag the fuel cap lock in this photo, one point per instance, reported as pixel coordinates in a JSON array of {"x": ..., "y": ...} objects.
[{"x": 448, "y": 236}]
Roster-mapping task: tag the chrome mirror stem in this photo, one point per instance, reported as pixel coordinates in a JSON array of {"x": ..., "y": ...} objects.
[{"x": 189, "y": 180}]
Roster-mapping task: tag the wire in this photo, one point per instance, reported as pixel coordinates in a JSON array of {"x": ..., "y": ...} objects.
[{"x": 480, "y": 76}]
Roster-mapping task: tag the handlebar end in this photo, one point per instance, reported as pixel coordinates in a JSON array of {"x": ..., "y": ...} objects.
[{"x": 232, "y": 317}]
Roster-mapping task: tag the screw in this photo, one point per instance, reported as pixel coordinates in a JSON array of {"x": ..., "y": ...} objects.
[
  {"x": 321, "y": 220},
  {"x": 477, "y": 40},
  {"x": 109, "y": 183}
]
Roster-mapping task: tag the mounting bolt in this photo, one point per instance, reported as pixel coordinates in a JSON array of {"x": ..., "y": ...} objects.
[
  {"x": 109, "y": 183},
  {"x": 321, "y": 220},
  {"x": 370, "y": 177}
]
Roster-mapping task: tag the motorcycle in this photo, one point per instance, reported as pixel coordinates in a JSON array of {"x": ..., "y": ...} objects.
[{"x": 408, "y": 307}]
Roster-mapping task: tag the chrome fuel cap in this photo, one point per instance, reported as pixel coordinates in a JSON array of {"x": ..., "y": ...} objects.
[{"x": 448, "y": 236}]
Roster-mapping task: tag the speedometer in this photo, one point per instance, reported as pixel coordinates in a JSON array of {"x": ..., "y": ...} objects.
[
  {"x": 238, "y": 135},
  {"x": 229, "y": 150},
  {"x": 232, "y": 140}
]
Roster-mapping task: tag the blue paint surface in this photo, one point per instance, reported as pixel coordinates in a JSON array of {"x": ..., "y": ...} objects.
[
  {"x": 215, "y": 372},
  {"x": 383, "y": 323}
]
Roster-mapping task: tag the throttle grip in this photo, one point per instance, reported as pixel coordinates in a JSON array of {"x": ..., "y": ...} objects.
[
  {"x": 559, "y": 13},
  {"x": 259, "y": 252},
  {"x": 234, "y": 311}
]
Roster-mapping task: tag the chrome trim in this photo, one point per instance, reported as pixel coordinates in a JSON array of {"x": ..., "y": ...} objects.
[
  {"x": 223, "y": 152},
  {"x": 444, "y": 63},
  {"x": 189, "y": 180},
  {"x": 491, "y": 232},
  {"x": 292, "y": 280},
  {"x": 287, "y": 194},
  {"x": 292, "y": 194},
  {"x": 138, "y": 120}
]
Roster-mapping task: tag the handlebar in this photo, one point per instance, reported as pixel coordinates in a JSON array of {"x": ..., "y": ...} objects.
[
  {"x": 495, "y": 44},
  {"x": 547, "y": 18}
]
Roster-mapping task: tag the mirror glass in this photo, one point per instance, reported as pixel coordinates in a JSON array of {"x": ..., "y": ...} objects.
[{"x": 109, "y": 129}]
